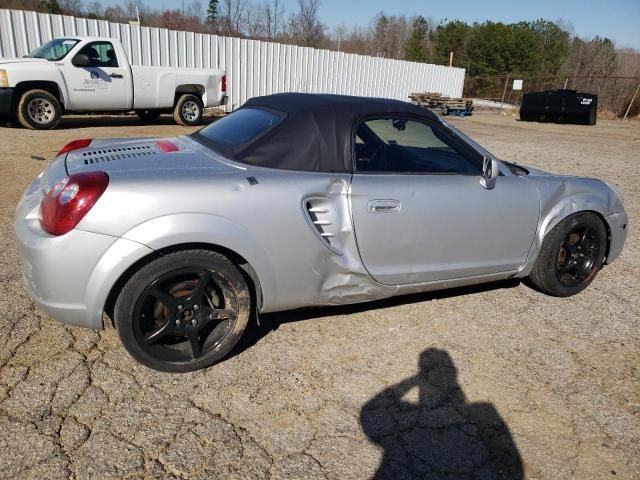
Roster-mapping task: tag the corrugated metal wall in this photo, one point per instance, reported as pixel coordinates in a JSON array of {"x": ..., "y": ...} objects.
[{"x": 253, "y": 67}]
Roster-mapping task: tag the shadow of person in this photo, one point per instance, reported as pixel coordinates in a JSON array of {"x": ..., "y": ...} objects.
[{"x": 442, "y": 436}]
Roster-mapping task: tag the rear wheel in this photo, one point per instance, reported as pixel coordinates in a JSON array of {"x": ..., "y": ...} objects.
[
  {"x": 188, "y": 110},
  {"x": 183, "y": 311},
  {"x": 39, "y": 110},
  {"x": 571, "y": 256}
]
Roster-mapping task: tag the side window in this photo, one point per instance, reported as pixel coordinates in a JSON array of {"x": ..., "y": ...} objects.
[
  {"x": 101, "y": 54},
  {"x": 400, "y": 145}
]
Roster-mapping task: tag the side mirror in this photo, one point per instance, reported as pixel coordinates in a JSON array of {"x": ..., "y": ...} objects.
[
  {"x": 81, "y": 60},
  {"x": 490, "y": 171}
]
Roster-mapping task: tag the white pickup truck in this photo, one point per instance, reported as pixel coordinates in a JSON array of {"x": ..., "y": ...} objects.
[{"x": 91, "y": 74}]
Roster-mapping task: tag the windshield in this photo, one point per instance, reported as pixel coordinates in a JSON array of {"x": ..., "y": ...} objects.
[
  {"x": 55, "y": 49},
  {"x": 467, "y": 139}
]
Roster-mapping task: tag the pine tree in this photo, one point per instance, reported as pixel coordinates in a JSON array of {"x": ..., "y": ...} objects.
[
  {"x": 415, "y": 49},
  {"x": 212, "y": 15}
]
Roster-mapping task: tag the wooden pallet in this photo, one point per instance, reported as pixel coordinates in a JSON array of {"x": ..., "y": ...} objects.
[{"x": 442, "y": 104}]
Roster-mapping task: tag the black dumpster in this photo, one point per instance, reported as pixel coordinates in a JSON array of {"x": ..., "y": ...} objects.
[{"x": 563, "y": 106}]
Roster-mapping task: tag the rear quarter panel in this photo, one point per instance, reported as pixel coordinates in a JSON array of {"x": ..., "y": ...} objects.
[
  {"x": 155, "y": 87},
  {"x": 264, "y": 223}
]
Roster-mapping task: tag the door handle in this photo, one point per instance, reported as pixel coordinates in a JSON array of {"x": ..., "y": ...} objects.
[
  {"x": 383, "y": 206},
  {"x": 115, "y": 75}
]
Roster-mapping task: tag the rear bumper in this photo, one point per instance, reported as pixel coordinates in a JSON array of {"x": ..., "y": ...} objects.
[
  {"x": 70, "y": 276},
  {"x": 7, "y": 97},
  {"x": 619, "y": 226}
]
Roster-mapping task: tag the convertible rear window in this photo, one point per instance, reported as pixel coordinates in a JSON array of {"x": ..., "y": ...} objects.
[{"x": 241, "y": 127}]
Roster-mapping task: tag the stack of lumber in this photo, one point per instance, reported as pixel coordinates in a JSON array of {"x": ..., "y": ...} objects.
[{"x": 442, "y": 104}]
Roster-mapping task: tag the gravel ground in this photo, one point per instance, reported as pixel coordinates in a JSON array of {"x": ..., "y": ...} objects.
[{"x": 488, "y": 382}]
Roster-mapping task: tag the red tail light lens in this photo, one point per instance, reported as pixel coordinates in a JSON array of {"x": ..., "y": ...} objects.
[
  {"x": 75, "y": 145},
  {"x": 224, "y": 83},
  {"x": 166, "y": 146},
  {"x": 70, "y": 200}
]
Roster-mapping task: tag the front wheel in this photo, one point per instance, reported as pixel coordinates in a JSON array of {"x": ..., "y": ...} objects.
[
  {"x": 183, "y": 311},
  {"x": 39, "y": 110},
  {"x": 188, "y": 110},
  {"x": 571, "y": 256}
]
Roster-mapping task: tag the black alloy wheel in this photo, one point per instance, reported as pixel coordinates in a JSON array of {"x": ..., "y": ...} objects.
[
  {"x": 183, "y": 311},
  {"x": 571, "y": 255},
  {"x": 578, "y": 255},
  {"x": 185, "y": 315}
]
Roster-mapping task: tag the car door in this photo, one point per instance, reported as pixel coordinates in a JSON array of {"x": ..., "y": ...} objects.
[
  {"x": 103, "y": 84},
  {"x": 420, "y": 213}
]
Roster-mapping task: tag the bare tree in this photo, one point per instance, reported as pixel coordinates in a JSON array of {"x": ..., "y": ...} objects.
[
  {"x": 274, "y": 14},
  {"x": 95, "y": 9},
  {"x": 196, "y": 10},
  {"x": 340, "y": 34},
  {"x": 71, "y": 7},
  {"x": 380, "y": 33},
  {"x": 254, "y": 22},
  {"x": 231, "y": 16},
  {"x": 305, "y": 27}
]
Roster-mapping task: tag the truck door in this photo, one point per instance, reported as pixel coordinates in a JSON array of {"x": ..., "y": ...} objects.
[{"x": 98, "y": 79}]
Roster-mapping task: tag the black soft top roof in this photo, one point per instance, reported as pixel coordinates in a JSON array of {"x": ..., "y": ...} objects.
[{"x": 316, "y": 133}]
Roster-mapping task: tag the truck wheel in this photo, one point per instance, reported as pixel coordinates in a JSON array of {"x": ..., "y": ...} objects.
[
  {"x": 39, "y": 110},
  {"x": 188, "y": 111},
  {"x": 148, "y": 115}
]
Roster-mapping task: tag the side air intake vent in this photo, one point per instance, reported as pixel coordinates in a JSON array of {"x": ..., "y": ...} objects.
[{"x": 322, "y": 215}]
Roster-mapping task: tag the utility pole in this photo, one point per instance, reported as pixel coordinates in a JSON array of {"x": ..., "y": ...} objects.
[
  {"x": 631, "y": 102},
  {"x": 504, "y": 92},
  {"x": 451, "y": 59}
]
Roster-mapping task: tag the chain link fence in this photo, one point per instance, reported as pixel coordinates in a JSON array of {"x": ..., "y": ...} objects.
[{"x": 615, "y": 93}]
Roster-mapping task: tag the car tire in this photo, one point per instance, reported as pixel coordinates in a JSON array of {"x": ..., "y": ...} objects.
[
  {"x": 188, "y": 110},
  {"x": 183, "y": 311},
  {"x": 39, "y": 110},
  {"x": 148, "y": 115},
  {"x": 572, "y": 253}
]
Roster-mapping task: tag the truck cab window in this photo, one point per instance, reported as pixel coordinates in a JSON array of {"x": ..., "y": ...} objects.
[{"x": 101, "y": 54}]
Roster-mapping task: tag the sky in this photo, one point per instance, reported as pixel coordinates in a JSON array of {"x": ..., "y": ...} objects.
[{"x": 616, "y": 19}]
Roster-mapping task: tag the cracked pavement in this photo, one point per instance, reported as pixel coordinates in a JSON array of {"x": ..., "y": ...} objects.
[{"x": 497, "y": 381}]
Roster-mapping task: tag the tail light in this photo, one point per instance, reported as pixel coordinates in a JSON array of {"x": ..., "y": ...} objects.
[
  {"x": 70, "y": 200},
  {"x": 224, "y": 83},
  {"x": 75, "y": 145},
  {"x": 166, "y": 146}
]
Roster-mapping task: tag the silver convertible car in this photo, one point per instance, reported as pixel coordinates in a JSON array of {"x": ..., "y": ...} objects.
[{"x": 294, "y": 200}]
